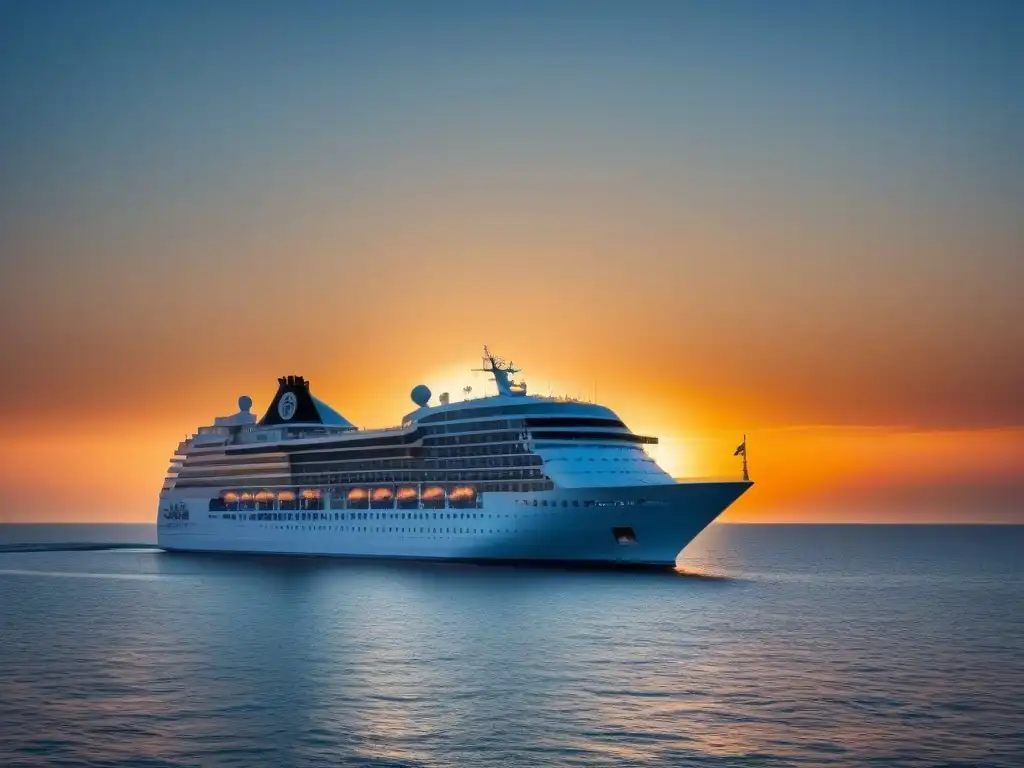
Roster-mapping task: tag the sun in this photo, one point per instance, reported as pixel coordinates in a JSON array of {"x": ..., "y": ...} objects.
[
  {"x": 675, "y": 455},
  {"x": 455, "y": 379}
]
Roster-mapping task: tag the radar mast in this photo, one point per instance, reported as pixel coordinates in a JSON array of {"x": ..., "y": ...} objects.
[{"x": 502, "y": 373}]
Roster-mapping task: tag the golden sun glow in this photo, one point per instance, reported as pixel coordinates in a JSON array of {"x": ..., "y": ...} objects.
[{"x": 810, "y": 473}]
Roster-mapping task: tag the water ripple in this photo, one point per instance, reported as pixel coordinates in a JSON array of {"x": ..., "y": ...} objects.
[{"x": 881, "y": 657}]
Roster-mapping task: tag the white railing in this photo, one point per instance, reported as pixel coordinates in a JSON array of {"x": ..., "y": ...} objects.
[{"x": 710, "y": 479}]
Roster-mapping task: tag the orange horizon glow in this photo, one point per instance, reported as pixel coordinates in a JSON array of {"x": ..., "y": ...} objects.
[{"x": 802, "y": 473}]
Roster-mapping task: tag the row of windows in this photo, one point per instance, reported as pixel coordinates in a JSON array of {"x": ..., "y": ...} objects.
[
  {"x": 370, "y": 443},
  {"x": 494, "y": 480},
  {"x": 477, "y": 438},
  {"x": 492, "y": 425},
  {"x": 489, "y": 462},
  {"x": 412, "y": 466},
  {"x": 220, "y": 505},
  {"x": 634, "y": 455},
  {"x": 507, "y": 455},
  {"x": 233, "y": 460},
  {"x": 384, "y": 496},
  {"x": 575, "y": 421},
  {"x": 276, "y": 517},
  {"x": 231, "y": 511},
  {"x": 380, "y": 529},
  {"x": 497, "y": 469},
  {"x": 615, "y": 436},
  {"x": 460, "y": 414},
  {"x": 531, "y": 487},
  {"x": 473, "y": 426},
  {"x": 495, "y": 449},
  {"x": 215, "y": 459},
  {"x": 578, "y": 503},
  {"x": 497, "y": 455},
  {"x": 418, "y": 477},
  {"x": 496, "y": 431},
  {"x": 250, "y": 505},
  {"x": 414, "y": 476}
]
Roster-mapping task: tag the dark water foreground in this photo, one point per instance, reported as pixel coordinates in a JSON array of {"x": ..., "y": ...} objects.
[{"x": 783, "y": 645}]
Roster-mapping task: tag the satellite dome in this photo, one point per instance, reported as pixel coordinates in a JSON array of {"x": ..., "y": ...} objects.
[
  {"x": 421, "y": 394},
  {"x": 244, "y": 403}
]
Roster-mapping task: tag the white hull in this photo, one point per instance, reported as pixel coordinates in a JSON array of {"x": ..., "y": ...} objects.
[{"x": 661, "y": 520}]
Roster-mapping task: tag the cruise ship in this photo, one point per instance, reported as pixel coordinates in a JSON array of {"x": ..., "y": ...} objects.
[{"x": 511, "y": 477}]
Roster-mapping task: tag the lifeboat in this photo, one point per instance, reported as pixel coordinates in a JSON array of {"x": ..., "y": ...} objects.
[
  {"x": 433, "y": 497},
  {"x": 408, "y": 498},
  {"x": 310, "y": 499},
  {"x": 462, "y": 496},
  {"x": 358, "y": 498}
]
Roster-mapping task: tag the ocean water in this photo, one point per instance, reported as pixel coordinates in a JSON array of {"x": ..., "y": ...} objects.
[{"x": 776, "y": 646}]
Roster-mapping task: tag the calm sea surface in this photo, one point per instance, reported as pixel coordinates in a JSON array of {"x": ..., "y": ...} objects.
[{"x": 783, "y": 645}]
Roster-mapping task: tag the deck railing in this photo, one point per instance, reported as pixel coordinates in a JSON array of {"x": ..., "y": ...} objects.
[{"x": 737, "y": 478}]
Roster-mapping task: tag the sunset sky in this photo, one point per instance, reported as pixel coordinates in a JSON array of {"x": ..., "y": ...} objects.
[{"x": 799, "y": 221}]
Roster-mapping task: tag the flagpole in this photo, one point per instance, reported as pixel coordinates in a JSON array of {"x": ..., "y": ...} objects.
[{"x": 746, "y": 475}]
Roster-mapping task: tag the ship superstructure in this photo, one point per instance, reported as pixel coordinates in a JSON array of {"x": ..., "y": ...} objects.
[{"x": 512, "y": 477}]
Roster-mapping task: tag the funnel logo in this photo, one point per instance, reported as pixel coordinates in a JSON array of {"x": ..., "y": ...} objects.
[{"x": 286, "y": 405}]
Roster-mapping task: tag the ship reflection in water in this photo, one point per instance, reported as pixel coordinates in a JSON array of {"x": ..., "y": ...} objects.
[{"x": 777, "y": 646}]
